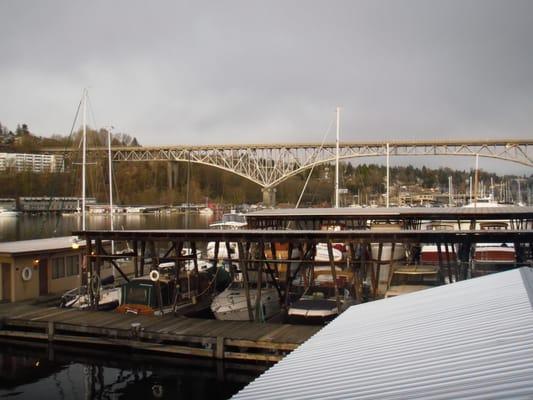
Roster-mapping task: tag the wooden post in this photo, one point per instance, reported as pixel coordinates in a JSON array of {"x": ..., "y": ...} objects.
[
  {"x": 391, "y": 264},
  {"x": 356, "y": 281},
  {"x": 259, "y": 283},
  {"x": 219, "y": 349},
  {"x": 244, "y": 270},
  {"x": 50, "y": 331},
  {"x": 288, "y": 280},
  {"x": 143, "y": 256},
  {"x": 448, "y": 261},
  {"x": 378, "y": 269},
  {"x": 334, "y": 275},
  {"x": 135, "y": 245}
]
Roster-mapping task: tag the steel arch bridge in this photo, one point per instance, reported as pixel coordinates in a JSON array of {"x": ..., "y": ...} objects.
[{"x": 267, "y": 165}]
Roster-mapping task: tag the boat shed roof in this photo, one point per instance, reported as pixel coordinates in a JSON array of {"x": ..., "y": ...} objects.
[
  {"x": 412, "y": 212},
  {"x": 55, "y": 244},
  {"x": 470, "y": 340}
]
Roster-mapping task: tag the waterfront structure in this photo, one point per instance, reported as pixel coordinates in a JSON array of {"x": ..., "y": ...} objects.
[
  {"x": 470, "y": 340},
  {"x": 33, "y": 268},
  {"x": 252, "y": 248},
  {"x": 51, "y": 204},
  {"x": 32, "y": 162},
  {"x": 410, "y": 218}
]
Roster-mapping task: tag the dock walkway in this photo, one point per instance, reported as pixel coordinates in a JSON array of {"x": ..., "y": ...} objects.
[{"x": 168, "y": 334}]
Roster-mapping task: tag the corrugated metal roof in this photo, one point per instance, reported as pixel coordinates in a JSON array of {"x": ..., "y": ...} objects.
[
  {"x": 38, "y": 245},
  {"x": 469, "y": 340}
]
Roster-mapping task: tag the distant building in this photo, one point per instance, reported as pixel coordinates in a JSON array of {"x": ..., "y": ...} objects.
[
  {"x": 52, "y": 204},
  {"x": 32, "y": 162}
]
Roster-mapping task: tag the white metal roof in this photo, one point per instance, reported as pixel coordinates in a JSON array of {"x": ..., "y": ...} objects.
[
  {"x": 468, "y": 340},
  {"x": 38, "y": 245}
]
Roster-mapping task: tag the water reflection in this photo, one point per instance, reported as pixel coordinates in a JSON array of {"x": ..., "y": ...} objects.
[
  {"x": 28, "y": 226},
  {"x": 60, "y": 373}
]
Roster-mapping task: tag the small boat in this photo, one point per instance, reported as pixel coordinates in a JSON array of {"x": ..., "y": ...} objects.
[
  {"x": 206, "y": 211},
  {"x": 429, "y": 254},
  {"x": 317, "y": 308},
  {"x": 413, "y": 279},
  {"x": 8, "y": 213},
  {"x": 231, "y": 303},
  {"x": 322, "y": 253},
  {"x": 110, "y": 296},
  {"x": 232, "y": 220},
  {"x": 223, "y": 250}
]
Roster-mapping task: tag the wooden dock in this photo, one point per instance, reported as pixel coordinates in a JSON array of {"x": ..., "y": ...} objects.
[{"x": 231, "y": 340}]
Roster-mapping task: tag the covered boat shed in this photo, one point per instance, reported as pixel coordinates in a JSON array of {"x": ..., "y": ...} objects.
[
  {"x": 411, "y": 218},
  {"x": 470, "y": 340}
]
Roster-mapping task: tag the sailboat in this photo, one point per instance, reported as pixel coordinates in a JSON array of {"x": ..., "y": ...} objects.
[{"x": 109, "y": 295}]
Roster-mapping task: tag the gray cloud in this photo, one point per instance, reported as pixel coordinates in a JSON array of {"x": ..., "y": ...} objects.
[{"x": 248, "y": 71}]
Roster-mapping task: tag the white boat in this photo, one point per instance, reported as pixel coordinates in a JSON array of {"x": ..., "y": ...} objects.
[
  {"x": 8, "y": 213},
  {"x": 206, "y": 211},
  {"x": 232, "y": 220},
  {"x": 322, "y": 253},
  {"x": 223, "y": 251},
  {"x": 79, "y": 298},
  {"x": 231, "y": 305}
]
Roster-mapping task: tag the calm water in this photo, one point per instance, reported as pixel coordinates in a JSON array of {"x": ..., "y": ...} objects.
[
  {"x": 59, "y": 373},
  {"x": 40, "y": 226}
]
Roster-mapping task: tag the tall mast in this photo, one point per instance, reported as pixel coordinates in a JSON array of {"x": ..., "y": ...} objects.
[
  {"x": 388, "y": 175},
  {"x": 337, "y": 160},
  {"x": 476, "y": 181},
  {"x": 110, "y": 172},
  {"x": 84, "y": 159}
]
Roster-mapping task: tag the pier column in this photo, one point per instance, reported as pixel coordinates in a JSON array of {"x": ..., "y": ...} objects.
[
  {"x": 172, "y": 174},
  {"x": 269, "y": 196}
]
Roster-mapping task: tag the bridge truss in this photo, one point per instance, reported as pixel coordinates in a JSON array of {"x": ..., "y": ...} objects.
[{"x": 268, "y": 165}]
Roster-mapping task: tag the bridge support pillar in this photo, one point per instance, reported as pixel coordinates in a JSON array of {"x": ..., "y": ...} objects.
[
  {"x": 172, "y": 174},
  {"x": 269, "y": 196}
]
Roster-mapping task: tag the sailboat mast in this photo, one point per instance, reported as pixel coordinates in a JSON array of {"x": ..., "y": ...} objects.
[
  {"x": 84, "y": 159},
  {"x": 110, "y": 171},
  {"x": 388, "y": 175},
  {"x": 337, "y": 160}
]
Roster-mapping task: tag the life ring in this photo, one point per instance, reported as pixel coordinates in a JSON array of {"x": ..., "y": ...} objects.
[
  {"x": 26, "y": 273},
  {"x": 96, "y": 284},
  {"x": 157, "y": 391},
  {"x": 154, "y": 275}
]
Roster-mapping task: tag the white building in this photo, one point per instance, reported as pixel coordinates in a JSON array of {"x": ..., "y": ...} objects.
[{"x": 32, "y": 162}]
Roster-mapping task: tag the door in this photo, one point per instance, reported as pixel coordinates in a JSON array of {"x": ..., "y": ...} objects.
[
  {"x": 43, "y": 277},
  {"x": 6, "y": 282}
]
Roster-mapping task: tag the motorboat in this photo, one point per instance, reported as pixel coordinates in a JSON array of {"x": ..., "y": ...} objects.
[
  {"x": 318, "y": 307},
  {"x": 231, "y": 304},
  {"x": 232, "y": 220}
]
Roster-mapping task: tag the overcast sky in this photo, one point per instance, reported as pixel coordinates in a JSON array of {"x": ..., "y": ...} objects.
[{"x": 198, "y": 72}]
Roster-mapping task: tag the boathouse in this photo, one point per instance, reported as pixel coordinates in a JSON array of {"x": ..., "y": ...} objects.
[{"x": 33, "y": 268}]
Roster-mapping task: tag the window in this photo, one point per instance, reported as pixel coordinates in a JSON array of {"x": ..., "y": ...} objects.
[
  {"x": 58, "y": 268},
  {"x": 73, "y": 265}
]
